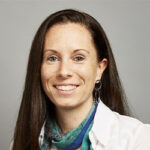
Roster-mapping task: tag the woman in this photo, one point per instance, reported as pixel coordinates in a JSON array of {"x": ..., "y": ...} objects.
[{"x": 73, "y": 98}]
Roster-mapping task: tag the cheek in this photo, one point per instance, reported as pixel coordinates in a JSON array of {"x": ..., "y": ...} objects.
[
  {"x": 44, "y": 74},
  {"x": 46, "y": 77},
  {"x": 88, "y": 73},
  {"x": 47, "y": 72}
]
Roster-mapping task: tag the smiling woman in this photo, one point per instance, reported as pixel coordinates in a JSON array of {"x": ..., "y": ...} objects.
[
  {"x": 73, "y": 98},
  {"x": 70, "y": 68}
]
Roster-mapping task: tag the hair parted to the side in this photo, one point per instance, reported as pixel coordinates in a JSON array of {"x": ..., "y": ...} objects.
[{"x": 35, "y": 105}]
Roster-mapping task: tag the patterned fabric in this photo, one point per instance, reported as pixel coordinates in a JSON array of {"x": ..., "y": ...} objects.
[{"x": 71, "y": 140}]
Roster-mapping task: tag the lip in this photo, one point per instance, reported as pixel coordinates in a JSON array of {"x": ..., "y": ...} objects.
[
  {"x": 66, "y": 92},
  {"x": 66, "y": 84}
]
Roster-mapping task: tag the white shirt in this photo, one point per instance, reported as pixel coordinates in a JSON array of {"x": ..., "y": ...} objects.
[{"x": 112, "y": 131}]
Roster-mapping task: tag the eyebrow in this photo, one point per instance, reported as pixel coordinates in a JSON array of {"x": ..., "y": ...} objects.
[
  {"x": 45, "y": 50},
  {"x": 74, "y": 51}
]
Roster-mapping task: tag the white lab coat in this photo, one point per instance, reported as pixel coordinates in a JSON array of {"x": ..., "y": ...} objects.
[{"x": 112, "y": 131}]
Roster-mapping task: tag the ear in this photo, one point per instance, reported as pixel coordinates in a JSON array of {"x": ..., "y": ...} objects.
[{"x": 102, "y": 65}]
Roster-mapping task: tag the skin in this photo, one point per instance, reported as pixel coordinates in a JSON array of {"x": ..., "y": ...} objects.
[{"x": 69, "y": 58}]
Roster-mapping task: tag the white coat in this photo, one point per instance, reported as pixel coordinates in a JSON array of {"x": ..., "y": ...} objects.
[{"x": 112, "y": 131}]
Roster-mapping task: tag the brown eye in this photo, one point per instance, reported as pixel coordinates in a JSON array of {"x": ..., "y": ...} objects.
[{"x": 79, "y": 58}]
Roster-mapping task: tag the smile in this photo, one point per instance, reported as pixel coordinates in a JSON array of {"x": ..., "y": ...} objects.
[{"x": 66, "y": 87}]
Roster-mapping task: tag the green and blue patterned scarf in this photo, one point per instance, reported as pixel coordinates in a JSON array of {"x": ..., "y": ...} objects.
[{"x": 71, "y": 140}]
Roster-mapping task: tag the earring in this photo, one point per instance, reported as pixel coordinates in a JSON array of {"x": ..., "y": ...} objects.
[{"x": 98, "y": 85}]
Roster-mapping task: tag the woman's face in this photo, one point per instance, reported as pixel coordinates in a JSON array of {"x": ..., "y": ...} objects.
[{"x": 70, "y": 67}]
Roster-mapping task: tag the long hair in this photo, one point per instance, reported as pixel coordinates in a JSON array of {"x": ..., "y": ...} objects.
[{"x": 35, "y": 105}]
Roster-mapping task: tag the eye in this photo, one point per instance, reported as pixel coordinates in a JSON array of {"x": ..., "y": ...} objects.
[
  {"x": 79, "y": 58},
  {"x": 52, "y": 58}
]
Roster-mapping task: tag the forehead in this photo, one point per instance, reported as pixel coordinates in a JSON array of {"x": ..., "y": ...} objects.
[
  {"x": 69, "y": 26},
  {"x": 74, "y": 35}
]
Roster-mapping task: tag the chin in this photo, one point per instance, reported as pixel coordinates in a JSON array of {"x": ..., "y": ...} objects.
[{"x": 67, "y": 105}]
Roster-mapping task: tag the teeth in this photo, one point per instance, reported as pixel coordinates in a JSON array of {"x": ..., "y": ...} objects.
[{"x": 66, "y": 88}]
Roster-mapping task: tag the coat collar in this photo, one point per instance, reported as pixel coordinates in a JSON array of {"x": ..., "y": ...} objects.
[{"x": 104, "y": 124}]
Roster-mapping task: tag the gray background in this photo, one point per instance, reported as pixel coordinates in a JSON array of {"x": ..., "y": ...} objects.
[{"x": 127, "y": 24}]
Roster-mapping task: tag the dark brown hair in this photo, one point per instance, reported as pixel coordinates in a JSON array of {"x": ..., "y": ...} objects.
[{"x": 35, "y": 105}]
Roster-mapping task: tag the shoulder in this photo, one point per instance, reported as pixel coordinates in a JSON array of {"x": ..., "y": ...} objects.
[
  {"x": 112, "y": 129},
  {"x": 133, "y": 131},
  {"x": 132, "y": 125},
  {"x": 128, "y": 123},
  {"x": 142, "y": 141},
  {"x": 114, "y": 119}
]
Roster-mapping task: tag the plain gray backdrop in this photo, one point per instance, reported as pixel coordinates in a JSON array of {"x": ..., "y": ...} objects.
[{"x": 127, "y": 25}]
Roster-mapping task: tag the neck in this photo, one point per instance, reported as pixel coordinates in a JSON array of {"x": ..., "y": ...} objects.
[{"x": 68, "y": 119}]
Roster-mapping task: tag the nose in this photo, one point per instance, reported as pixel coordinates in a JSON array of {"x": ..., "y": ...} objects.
[{"x": 64, "y": 70}]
